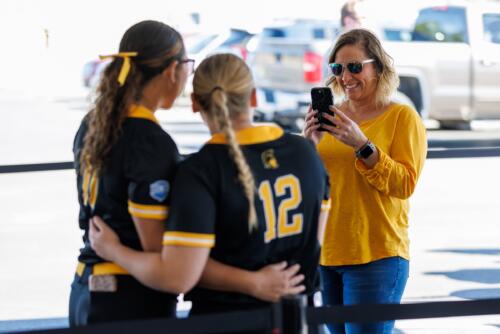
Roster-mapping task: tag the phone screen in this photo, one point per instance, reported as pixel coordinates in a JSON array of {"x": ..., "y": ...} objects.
[{"x": 322, "y": 99}]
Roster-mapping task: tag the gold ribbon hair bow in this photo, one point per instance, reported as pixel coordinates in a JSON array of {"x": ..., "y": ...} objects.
[{"x": 125, "y": 66}]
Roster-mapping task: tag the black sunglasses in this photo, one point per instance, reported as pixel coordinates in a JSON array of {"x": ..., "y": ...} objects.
[{"x": 354, "y": 67}]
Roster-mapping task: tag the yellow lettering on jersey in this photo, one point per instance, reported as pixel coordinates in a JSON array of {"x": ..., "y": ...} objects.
[
  {"x": 295, "y": 227},
  {"x": 285, "y": 228},
  {"x": 89, "y": 188},
  {"x": 85, "y": 187},
  {"x": 266, "y": 196}
]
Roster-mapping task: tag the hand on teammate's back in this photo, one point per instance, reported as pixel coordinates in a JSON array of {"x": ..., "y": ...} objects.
[
  {"x": 277, "y": 280},
  {"x": 102, "y": 238}
]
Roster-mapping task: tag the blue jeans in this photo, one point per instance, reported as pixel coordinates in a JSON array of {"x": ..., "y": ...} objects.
[{"x": 378, "y": 282}]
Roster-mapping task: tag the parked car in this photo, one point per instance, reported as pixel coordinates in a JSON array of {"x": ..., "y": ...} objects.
[
  {"x": 198, "y": 47},
  {"x": 91, "y": 73},
  {"x": 228, "y": 41},
  {"x": 288, "y": 61}
]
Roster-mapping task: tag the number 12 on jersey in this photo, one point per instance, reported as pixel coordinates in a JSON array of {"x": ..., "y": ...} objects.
[{"x": 284, "y": 228}]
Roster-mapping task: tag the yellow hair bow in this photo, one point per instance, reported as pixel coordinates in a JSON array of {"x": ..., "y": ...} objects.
[{"x": 125, "y": 66}]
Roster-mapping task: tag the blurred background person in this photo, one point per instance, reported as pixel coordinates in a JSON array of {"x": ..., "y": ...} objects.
[{"x": 349, "y": 16}]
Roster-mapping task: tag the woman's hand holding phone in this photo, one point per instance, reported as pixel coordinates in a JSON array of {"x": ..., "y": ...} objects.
[
  {"x": 345, "y": 129},
  {"x": 312, "y": 127}
]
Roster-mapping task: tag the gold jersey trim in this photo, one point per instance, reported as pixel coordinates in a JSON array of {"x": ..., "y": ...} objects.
[
  {"x": 104, "y": 268},
  {"x": 148, "y": 211},
  {"x": 188, "y": 239},
  {"x": 252, "y": 135},
  {"x": 138, "y": 111}
]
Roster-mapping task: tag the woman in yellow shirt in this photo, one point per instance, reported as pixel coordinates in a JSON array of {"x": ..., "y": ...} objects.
[{"x": 374, "y": 155}]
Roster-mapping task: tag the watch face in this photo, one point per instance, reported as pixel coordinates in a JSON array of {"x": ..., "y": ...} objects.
[{"x": 367, "y": 151}]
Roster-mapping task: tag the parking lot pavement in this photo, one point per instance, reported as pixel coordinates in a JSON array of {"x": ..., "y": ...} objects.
[
  {"x": 38, "y": 129},
  {"x": 454, "y": 242},
  {"x": 453, "y": 225}
]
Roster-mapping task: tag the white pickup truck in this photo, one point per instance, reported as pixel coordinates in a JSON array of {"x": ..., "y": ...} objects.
[{"x": 449, "y": 70}]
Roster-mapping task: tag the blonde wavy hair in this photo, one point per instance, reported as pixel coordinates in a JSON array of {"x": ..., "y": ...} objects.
[
  {"x": 388, "y": 80},
  {"x": 223, "y": 85},
  {"x": 157, "y": 46}
]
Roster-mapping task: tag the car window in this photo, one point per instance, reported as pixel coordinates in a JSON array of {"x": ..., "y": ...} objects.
[
  {"x": 491, "y": 27},
  {"x": 395, "y": 34},
  {"x": 200, "y": 43},
  {"x": 300, "y": 31},
  {"x": 319, "y": 33},
  {"x": 441, "y": 24},
  {"x": 274, "y": 33},
  {"x": 235, "y": 37}
]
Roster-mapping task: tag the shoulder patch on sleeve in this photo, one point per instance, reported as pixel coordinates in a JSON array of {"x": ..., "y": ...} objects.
[{"x": 158, "y": 190}]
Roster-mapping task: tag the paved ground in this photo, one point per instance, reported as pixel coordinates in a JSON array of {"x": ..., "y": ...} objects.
[{"x": 454, "y": 221}]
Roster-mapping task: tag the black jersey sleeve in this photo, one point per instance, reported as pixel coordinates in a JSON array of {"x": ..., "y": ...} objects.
[
  {"x": 150, "y": 168},
  {"x": 192, "y": 216}
]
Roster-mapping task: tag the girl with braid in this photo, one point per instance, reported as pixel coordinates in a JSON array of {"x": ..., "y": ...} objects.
[{"x": 251, "y": 197}]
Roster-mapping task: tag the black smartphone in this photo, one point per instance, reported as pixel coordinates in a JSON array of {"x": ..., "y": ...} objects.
[{"x": 322, "y": 99}]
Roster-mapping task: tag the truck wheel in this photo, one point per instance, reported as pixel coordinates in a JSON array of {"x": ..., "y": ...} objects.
[{"x": 455, "y": 125}]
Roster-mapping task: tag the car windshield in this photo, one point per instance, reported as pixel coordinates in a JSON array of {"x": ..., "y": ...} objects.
[{"x": 441, "y": 24}]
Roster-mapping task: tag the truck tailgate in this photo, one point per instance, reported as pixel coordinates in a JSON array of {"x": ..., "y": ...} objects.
[
  {"x": 279, "y": 65},
  {"x": 445, "y": 70}
]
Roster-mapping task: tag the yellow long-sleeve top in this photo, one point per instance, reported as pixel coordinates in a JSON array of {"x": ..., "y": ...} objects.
[{"x": 369, "y": 212}]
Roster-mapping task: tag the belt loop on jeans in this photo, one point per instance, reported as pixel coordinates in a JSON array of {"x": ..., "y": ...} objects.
[{"x": 104, "y": 268}]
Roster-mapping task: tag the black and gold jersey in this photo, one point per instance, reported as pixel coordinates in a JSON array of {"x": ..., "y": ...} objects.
[
  {"x": 135, "y": 180},
  {"x": 209, "y": 208}
]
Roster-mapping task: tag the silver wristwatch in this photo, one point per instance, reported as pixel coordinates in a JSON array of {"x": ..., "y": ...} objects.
[{"x": 366, "y": 150}]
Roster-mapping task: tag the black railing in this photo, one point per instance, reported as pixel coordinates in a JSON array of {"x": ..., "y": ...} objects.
[
  {"x": 290, "y": 316},
  {"x": 438, "y": 149},
  {"x": 43, "y": 167}
]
